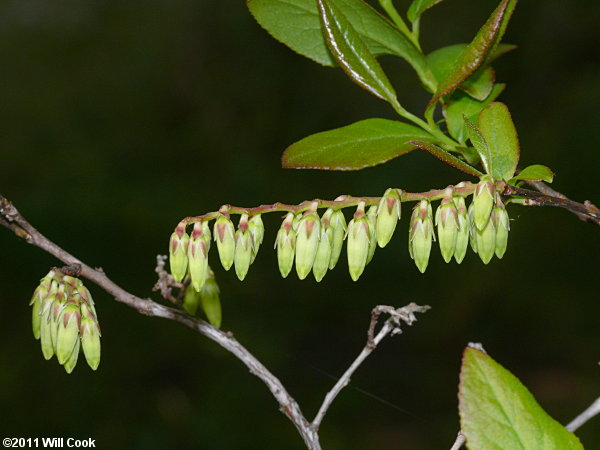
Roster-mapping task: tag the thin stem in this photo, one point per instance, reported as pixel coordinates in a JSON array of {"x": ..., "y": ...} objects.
[
  {"x": 459, "y": 442},
  {"x": 464, "y": 188},
  {"x": 416, "y": 28},
  {"x": 592, "y": 411},
  {"x": 389, "y": 8},
  {"x": 391, "y": 325},
  {"x": 432, "y": 128}
]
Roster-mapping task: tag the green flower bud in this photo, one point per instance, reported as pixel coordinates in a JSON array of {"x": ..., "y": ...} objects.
[
  {"x": 224, "y": 233},
  {"x": 472, "y": 239},
  {"x": 198, "y": 256},
  {"x": 68, "y": 331},
  {"x": 243, "y": 248},
  {"x": 257, "y": 230},
  {"x": 40, "y": 293},
  {"x": 446, "y": 220},
  {"x": 36, "y": 318},
  {"x": 211, "y": 303},
  {"x": 420, "y": 234},
  {"x": 178, "y": 249},
  {"x": 57, "y": 305},
  {"x": 70, "y": 364},
  {"x": 286, "y": 245},
  {"x": 358, "y": 242},
  {"x": 46, "y": 327},
  {"x": 323, "y": 256},
  {"x": 307, "y": 242},
  {"x": 483, "y": 201},
  {"x": 388, "y": 214},
  {"x": 485, "y": 240},
  {"x": 90, "y": 338},
  {"x": 337, "y": 223},
  {"x": 296, "y": 221},
  {"x": 191, "y": 300},
  {"x": 464, "y": 225},
  {"x": 372, "y": 217},
  {"x": 206, "y": 234},
  {"x": 502, "y": 225}
]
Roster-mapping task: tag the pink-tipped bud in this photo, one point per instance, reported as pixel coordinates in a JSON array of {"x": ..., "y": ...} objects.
[
  {"x": 224, "y": 233},
  {"x": 420, "y": 234},
  {"x": 198, "y": 256},
  {"x": 178, "y": 249},
  {"x": 447, "y": 222}
]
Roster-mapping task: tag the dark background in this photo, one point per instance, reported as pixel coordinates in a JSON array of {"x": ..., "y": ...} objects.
[{"x": 118, "y": 118}]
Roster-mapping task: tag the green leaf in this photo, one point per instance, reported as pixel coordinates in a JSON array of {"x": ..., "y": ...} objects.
[
  {"x": 459, "y": 104},
  {"x": 535, "y": 172},
  {"x": 499, "y": 132},
  {"x": 447, "y": 157},
  {"x": 498, "y": 412},
  {"x": 442, "y": 60},
  {"x": 296, "y": 24},
  {"x": 353, "y": 147},
  {"x": 352, "y": 54},
  {"x": 480, "y": 84},
  {"x": 478, "y": 141},
  {"x": 477, "y": 52},
  {"x": 418, "y": 7}
]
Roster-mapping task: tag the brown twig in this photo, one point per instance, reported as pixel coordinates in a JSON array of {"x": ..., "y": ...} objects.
[{"x": 546, "y": 196}]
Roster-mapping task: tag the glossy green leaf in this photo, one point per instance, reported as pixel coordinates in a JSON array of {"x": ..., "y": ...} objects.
[
  {"x": 477, "y": 52},
  {"x": 447, "y": 157},
  {"x": 418, "y": 7},
  {"x": 498, "y": 412},
  {"x": 480, "y": 144},
  {"x": 352, "y": 54},
  {"x": 480, "y": 84},
  {"x": 535, "y": 172},
  {"x": 499, "y": 132},
  {"x": 459, "y": 104},
  {"x": 296, "y": 24},
  {"x": 442, "y": 60},
  {"x": 353, "y": 147}
]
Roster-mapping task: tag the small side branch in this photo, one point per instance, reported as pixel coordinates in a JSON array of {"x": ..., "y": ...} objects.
[
  {"x": 391, "y": 325},
  {"x": 547, "y": 196},
  {"x": 459, "y": 442},
  {"x": 592, "y": 411}
]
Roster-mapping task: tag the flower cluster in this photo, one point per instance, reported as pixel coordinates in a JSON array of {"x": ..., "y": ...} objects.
[
  {"x": 315, "y": 243},
  {"x": 64, "y": 320}
]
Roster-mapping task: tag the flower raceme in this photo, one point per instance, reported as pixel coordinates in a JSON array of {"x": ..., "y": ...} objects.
[
  {"x": 64, "y": 319},
  {"x": 314, "y": 243}
]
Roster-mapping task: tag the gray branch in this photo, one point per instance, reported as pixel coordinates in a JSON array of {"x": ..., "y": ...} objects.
[
  {"x": 391, "y": 325},
  {"x": 592, "y": 411}
]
